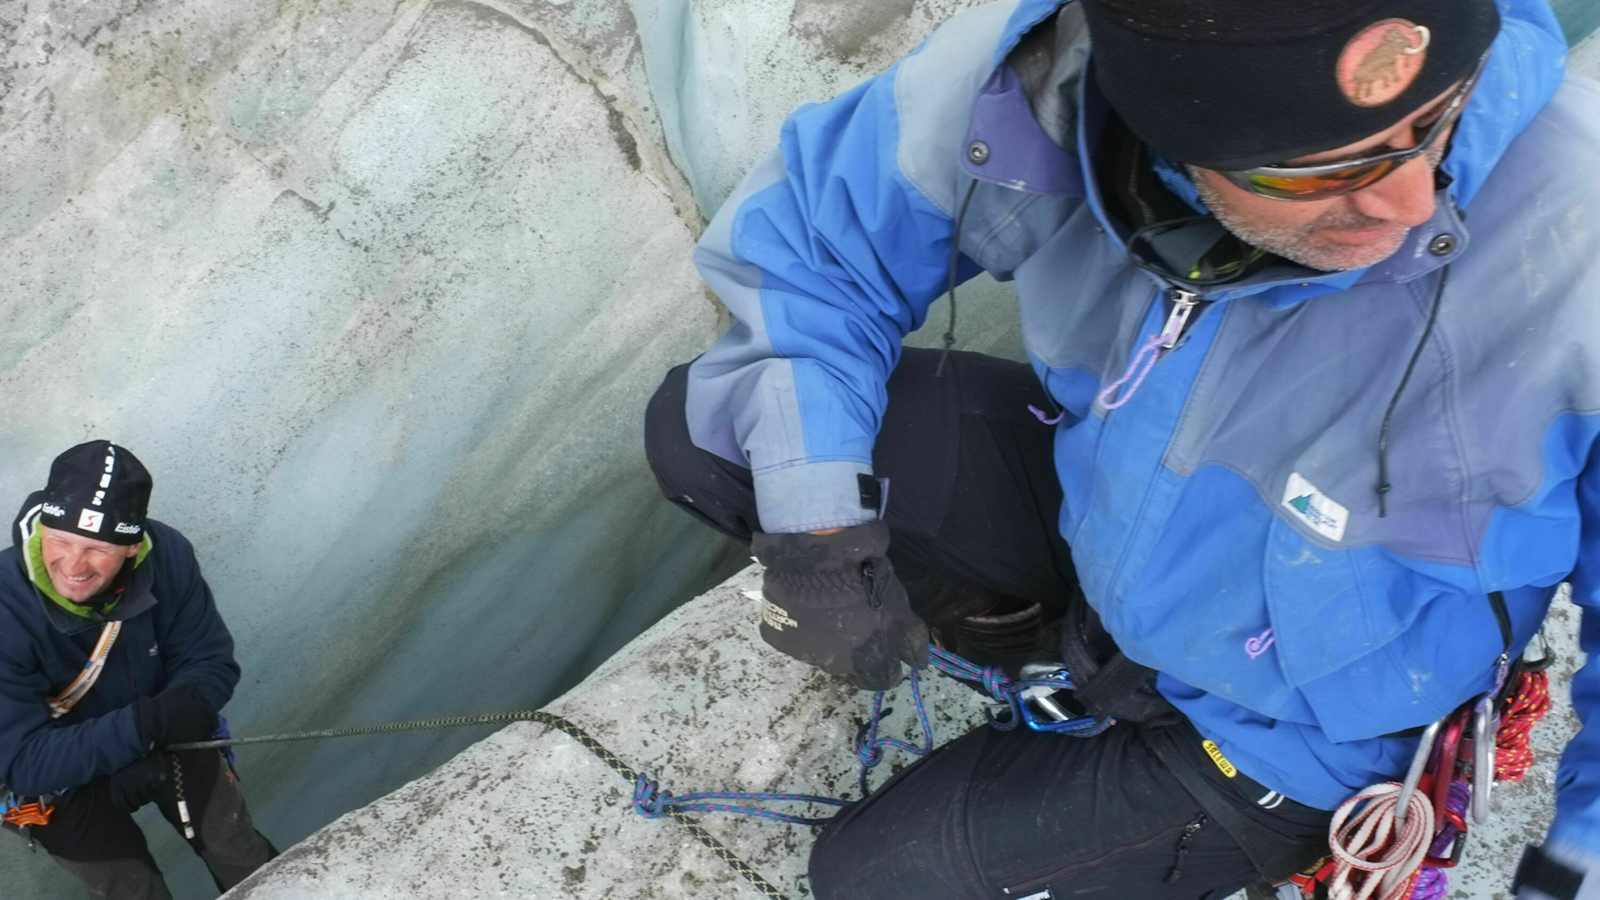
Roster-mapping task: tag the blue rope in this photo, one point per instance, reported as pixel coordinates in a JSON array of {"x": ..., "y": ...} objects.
[
  {"x": 653, "y": 803},
  {"x": 869, "y": 750}
]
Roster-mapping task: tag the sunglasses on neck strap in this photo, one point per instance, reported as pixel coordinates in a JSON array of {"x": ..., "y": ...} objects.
[{"x": 1325, "y": 180}]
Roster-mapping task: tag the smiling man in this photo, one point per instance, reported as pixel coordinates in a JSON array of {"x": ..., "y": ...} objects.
[
  {"x": 1308, "y": 436},
  {"x": 110, "y": 649}
]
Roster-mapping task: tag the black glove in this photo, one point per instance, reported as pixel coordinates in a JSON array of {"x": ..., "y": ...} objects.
[
  {"x": 177, "y": 715},
  {"x": 833, "y": 601},
  {"x": 139, "y": 783}
]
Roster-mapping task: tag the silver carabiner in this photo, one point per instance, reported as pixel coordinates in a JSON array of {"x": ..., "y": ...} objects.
[
  {"x": 1484, "y": 728},
  {"x": 1042, "y": 696},
  {"x": 1419, "y": 762}
]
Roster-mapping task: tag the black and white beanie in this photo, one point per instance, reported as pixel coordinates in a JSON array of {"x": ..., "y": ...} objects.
[{"x": 99, "y": 490}]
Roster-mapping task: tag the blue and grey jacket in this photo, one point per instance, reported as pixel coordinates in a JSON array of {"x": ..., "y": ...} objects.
[
  {"x": 1224, "y": 522},
  {"x": 171, "y": 634}
]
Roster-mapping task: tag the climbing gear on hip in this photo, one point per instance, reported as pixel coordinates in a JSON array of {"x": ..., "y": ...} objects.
[
  {"x": 1396, "y": 840},
  {"x": 24, "y": 815}
]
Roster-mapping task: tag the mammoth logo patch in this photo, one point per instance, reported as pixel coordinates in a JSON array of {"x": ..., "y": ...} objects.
[{"x": 1382, "y": 61}]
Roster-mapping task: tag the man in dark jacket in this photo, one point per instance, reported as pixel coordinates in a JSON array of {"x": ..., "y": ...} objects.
[{"x": 111, "y": 648}]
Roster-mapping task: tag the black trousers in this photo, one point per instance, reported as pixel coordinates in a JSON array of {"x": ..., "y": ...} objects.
[
  {"x": 100, "y": 843},
  {"x": 1137, "y": 812}
]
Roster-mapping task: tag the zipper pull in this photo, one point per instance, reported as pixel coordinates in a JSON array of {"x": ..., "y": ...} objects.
[
  {"x": 1183, "y": 306},
  {"x": 1184, "y": 303},
  {"x": 1502, "y": 670},
  {"x": 869, "y": 577},
  {"x": 1189, "y": 831}
]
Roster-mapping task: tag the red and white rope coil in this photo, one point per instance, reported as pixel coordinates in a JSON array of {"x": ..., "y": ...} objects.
[{"x": 1371, "y": 860}]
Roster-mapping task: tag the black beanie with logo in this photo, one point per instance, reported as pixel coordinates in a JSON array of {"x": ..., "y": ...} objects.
[
  {"x": 99, "y": 490},
  {"x": 1232, "y": 84}
]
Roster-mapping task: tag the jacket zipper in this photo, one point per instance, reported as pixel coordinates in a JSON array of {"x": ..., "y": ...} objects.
[
  {"x": 1151, "y": 351},
  {"x": 1184, "y": 305},
  {"x": 1189, "y": 831},
  {"x": 869, "y": 578},
  {"x": 1034, "y": 883}
]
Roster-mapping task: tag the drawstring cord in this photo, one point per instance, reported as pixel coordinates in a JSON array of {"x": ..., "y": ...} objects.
[
  {"x": 950, "y": 289},
  {"x": 1383, "y": 486},
  {"x": 1138, "y": 367}
]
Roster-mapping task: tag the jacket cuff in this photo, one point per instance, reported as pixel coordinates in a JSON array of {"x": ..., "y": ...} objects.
[{"x": 813, "y": 496}]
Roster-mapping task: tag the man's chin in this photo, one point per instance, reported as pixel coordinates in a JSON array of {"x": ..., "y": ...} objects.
[
  {"x": 80, "y": 596},
  {"x": 1349, "y": 250}
]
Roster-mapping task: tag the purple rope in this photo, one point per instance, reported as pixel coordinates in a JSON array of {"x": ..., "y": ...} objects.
[
  {"x": 1460, "y": 797},
  {"x": 1431, "y": 884},
  {"x": 870, "y": 752}
]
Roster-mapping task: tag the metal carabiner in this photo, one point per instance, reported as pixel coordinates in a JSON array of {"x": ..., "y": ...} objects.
[
  {"x": 1484, "y": 729},
  {"x": 1041, "y": 697},
  {"x": 1419, "y": 762}
]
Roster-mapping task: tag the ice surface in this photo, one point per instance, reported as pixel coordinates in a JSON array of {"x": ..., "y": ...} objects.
[{"x": 701, "y": 703}]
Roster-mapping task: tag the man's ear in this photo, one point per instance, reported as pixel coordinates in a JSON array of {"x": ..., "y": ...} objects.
[{"x": 132, "y": 550}]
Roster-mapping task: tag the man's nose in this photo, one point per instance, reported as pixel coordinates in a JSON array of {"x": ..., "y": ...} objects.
[{"x": 1404, "y": 197}]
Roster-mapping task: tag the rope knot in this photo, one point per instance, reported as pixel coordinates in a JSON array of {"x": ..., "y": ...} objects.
[
  {"x": 996, "y": 683},
  {"x": 649, "y": 800}
]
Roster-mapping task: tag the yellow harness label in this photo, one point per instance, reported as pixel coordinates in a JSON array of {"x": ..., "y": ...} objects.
[{"x": 1215, "y": 752}]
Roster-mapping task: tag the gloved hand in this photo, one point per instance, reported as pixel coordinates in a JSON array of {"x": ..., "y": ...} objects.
[
  {"x": 833, "y": 601},
  {"x": 139, "y": 783},
  {"x": 177, "y": 715},
  {"x": 1558, "y": 871}
]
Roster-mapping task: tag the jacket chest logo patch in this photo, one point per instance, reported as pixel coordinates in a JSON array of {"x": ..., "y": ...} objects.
[{"x": 1311, "y": 506}]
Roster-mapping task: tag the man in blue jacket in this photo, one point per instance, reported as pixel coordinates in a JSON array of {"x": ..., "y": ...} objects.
[
  {"x": 110, "y": 649},
  {"x": 1307, "y": 298}
]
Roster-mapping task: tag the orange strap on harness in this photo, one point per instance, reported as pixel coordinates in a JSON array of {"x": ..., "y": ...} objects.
[{"x": 24, "y": 814}]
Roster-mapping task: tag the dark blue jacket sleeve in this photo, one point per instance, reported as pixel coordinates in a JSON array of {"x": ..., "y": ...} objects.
[
  {"x": 36, "y": 757},
  {"x": 196, "y": 645}
]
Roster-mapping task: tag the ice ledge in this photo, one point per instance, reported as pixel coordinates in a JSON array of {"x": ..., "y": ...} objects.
[{"x": 700, "y": 703}]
